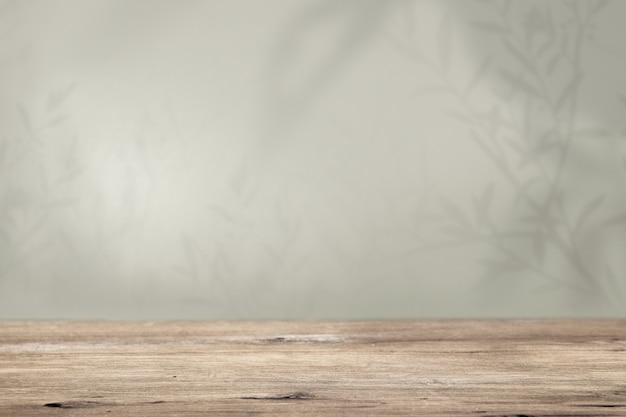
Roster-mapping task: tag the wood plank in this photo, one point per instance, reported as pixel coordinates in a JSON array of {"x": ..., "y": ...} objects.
[{"x": 392, "y": 368}]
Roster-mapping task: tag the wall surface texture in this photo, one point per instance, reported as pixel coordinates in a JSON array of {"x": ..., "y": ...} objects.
[{"x": 312, "y": 159}]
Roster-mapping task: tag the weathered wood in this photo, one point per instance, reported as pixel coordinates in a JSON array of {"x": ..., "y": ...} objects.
[{"x": 402, "y": 368}]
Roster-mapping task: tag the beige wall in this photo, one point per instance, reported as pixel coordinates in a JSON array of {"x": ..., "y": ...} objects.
[{"x": 312, "y": 159}]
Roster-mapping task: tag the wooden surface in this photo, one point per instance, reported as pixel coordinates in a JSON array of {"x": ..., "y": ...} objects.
[{"x": 397, "y": 368}]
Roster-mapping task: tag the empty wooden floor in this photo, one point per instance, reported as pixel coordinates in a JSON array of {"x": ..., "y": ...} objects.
[{"x": 382, "y": 368}]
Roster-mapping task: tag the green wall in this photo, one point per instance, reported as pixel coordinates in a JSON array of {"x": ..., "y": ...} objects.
[{"x": 312, "y": 159}]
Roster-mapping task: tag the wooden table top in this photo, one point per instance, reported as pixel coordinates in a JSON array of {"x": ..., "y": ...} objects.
[{"x": 383, "y": 368}]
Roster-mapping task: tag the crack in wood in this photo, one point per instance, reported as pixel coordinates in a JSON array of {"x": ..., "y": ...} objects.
[
  {"x": 304, "y": 338},
  {"x": 298, "y": 395},
  {"x": 542, "y": 415},
  {"x": 91, "y": 404},
  {"x": 77, "y": 404}
]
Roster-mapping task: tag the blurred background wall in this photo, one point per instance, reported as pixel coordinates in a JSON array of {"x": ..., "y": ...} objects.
[{"x": 312, "y": 159}]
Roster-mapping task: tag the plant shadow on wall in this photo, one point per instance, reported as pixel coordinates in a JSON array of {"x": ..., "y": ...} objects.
[
  {"x": 553, "y": 217},
  {"x": 549, "y": 145},
  {"x": 35, "y": 189}
]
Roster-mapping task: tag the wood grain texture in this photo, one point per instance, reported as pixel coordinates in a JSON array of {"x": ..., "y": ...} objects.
[{"x": 391, "y": 368}]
